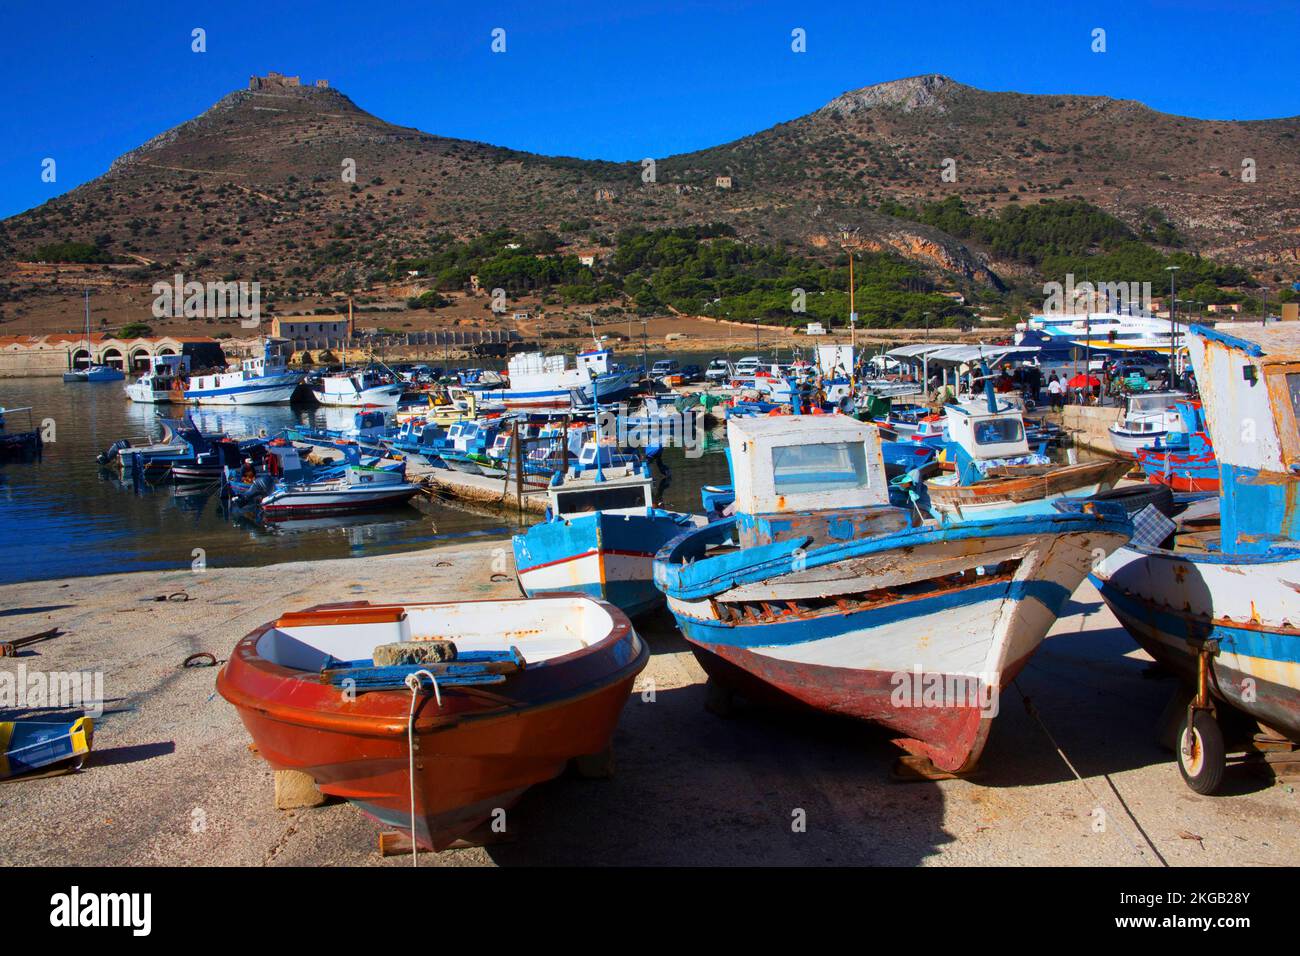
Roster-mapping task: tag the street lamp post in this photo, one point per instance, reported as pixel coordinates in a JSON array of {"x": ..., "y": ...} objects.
[{"x": 1173, "y": 326}]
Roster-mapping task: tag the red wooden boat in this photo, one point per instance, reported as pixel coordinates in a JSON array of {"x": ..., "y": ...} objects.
[{"x": 522, "y": 687}]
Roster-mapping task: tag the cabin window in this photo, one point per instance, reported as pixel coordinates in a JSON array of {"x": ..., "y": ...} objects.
[
  {"x": 600, "y": 499},
  {"x": 822, "y": 467},
  {"x": 1293, "y": 389},
  {"x": 997, "y": 431}
]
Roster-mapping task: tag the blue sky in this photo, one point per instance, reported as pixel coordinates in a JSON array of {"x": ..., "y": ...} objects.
[{"x": 83, "y": 82}]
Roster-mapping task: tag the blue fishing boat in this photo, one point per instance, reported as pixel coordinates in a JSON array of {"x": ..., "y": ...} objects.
[
  {"x": 468, "y": 444},
  {"x": 1216, "y": 602},
  {"x": 996, "y": 473},
  {"x": 1183, "y": 459},
  {"x": 600, "y": 536},
  {"x": 265, "y": 380},
  {"x": 818, "y": 592}
]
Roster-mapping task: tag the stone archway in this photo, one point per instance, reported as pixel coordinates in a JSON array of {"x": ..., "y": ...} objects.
[
  {"x": 81, "y": 358},
  {"x": 113, "y": 356},
  {"x": 140, "y": 359}
]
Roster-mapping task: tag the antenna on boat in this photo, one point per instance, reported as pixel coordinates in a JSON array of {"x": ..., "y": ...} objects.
[{"x": 595, "y": 401}]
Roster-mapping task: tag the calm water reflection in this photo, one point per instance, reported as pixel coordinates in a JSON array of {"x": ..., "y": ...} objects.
[{"x": 64, "y": 516}]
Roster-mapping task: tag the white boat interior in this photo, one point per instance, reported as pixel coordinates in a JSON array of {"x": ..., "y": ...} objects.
[{"x": 542, "y": 628}]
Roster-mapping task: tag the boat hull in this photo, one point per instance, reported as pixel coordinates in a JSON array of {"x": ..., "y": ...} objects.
[
  {"x": 865, "y": 635},
  {"x": 308, "y": 502},
  {"x": 476, "y": 752},
  {"x": 1181, "y": 472},
  {"x": 1170, "y": 603},
  {"x": 381, "y": 397},
  {"x": 1129, "y": 443},
  {"x": 1011, "y": 497},
  {"x": 609, "y": 556},
  {"x": 270, "y": 390}
]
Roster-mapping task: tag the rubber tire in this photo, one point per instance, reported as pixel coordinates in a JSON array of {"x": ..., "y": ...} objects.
[
  {"x": 1205, "y": 773},
  {"x": 1136, "y": 497}
]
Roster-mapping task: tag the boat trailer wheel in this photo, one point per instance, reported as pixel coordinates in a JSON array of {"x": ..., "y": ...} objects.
[
  {"x": 1201, "y": 753},
  {"x": 1201, "y": 757}
]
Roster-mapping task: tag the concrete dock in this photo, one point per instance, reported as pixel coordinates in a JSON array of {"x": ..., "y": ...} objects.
[{"x": 172, "y": 780}]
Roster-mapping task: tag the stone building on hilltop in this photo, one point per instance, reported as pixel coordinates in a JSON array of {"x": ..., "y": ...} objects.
[{"x": 274, "y": 80}]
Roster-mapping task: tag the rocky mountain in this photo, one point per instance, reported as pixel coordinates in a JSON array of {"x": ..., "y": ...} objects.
[{"x": 299, "y": 187}]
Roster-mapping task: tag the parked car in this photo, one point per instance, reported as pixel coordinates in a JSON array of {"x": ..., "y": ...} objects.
[
  {"x": 719, "y": 371},
  {"x": 692, "y": 373},
  {"x": 663, "y": 368}
]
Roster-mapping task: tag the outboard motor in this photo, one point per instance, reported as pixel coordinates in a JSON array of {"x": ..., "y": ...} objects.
[{"x": 110, "y": 453}]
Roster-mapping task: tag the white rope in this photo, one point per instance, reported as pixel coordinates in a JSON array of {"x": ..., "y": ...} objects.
[{"x": 413, "y": 682}]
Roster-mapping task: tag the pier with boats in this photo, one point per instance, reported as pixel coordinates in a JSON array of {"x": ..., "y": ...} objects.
[{"x": 898, "y": 540}]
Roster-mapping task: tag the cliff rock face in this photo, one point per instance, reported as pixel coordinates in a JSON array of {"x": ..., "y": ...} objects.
[{"x": 914, "y": 93}]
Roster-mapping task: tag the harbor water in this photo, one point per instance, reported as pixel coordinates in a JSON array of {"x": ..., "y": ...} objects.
[{"x": 65, "y": 515}]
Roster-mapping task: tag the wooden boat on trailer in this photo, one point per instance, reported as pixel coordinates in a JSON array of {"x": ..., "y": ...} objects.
[
  {"x": 1216, "y": 602},
  {"x": 429, "y": 717}
]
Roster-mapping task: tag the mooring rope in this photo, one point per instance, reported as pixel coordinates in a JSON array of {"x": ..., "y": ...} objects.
[
  {"x": 1033, "y": 712},
  {"x": 413, "y": 682}
]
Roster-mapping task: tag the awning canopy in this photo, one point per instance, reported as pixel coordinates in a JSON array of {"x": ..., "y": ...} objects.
[
  {"x": 967, "y": 354},
  {"x": 917, "y": 351}
]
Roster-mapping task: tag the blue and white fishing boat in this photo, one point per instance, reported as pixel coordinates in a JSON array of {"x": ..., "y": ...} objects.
[
  {"x": 820, "y": 593},
  {"x": 468, "y": 443},
  {"x": 544, "y": 381},
  {"x": 600, "y": 536},
  {"x": 1217, "y": 603},
  {"x": 258, "y": 381},
  {"x": 997, "y": 474},
  {"x": 1148, "y": 417},
  {"x": 361, "y": 388}
]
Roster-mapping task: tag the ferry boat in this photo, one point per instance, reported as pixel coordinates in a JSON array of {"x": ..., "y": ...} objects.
[
  {"x": 163, "y": 383},
  {"x": 265, "y": 380},
  {"x": 1057, "y": 335},
  {"x": 545, "y": 381},
  {"x": 1217, "y": 602},
  {"x": 818, "y": 592}
]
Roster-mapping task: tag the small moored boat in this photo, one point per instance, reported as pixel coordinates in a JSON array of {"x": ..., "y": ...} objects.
[
  {"x": 357, "y": 488},
  {"x": 996, "y": 473}
]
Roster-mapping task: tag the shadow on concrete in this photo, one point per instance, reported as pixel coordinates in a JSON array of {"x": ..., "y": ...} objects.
[
  {"x": 133, "y": 754},
  {"x": 690, "y": 787},
  {"x": 34, "y": 609}
]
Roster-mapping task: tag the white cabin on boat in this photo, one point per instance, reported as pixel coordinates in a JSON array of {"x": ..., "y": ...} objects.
[
  {"x": 806, "y": 463},
  {"x": 984, "y": 434},
  {"x": 628, "y": 494}
]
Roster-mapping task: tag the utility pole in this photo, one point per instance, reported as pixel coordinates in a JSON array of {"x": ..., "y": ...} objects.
[{"x": 1173, "y": 327}]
